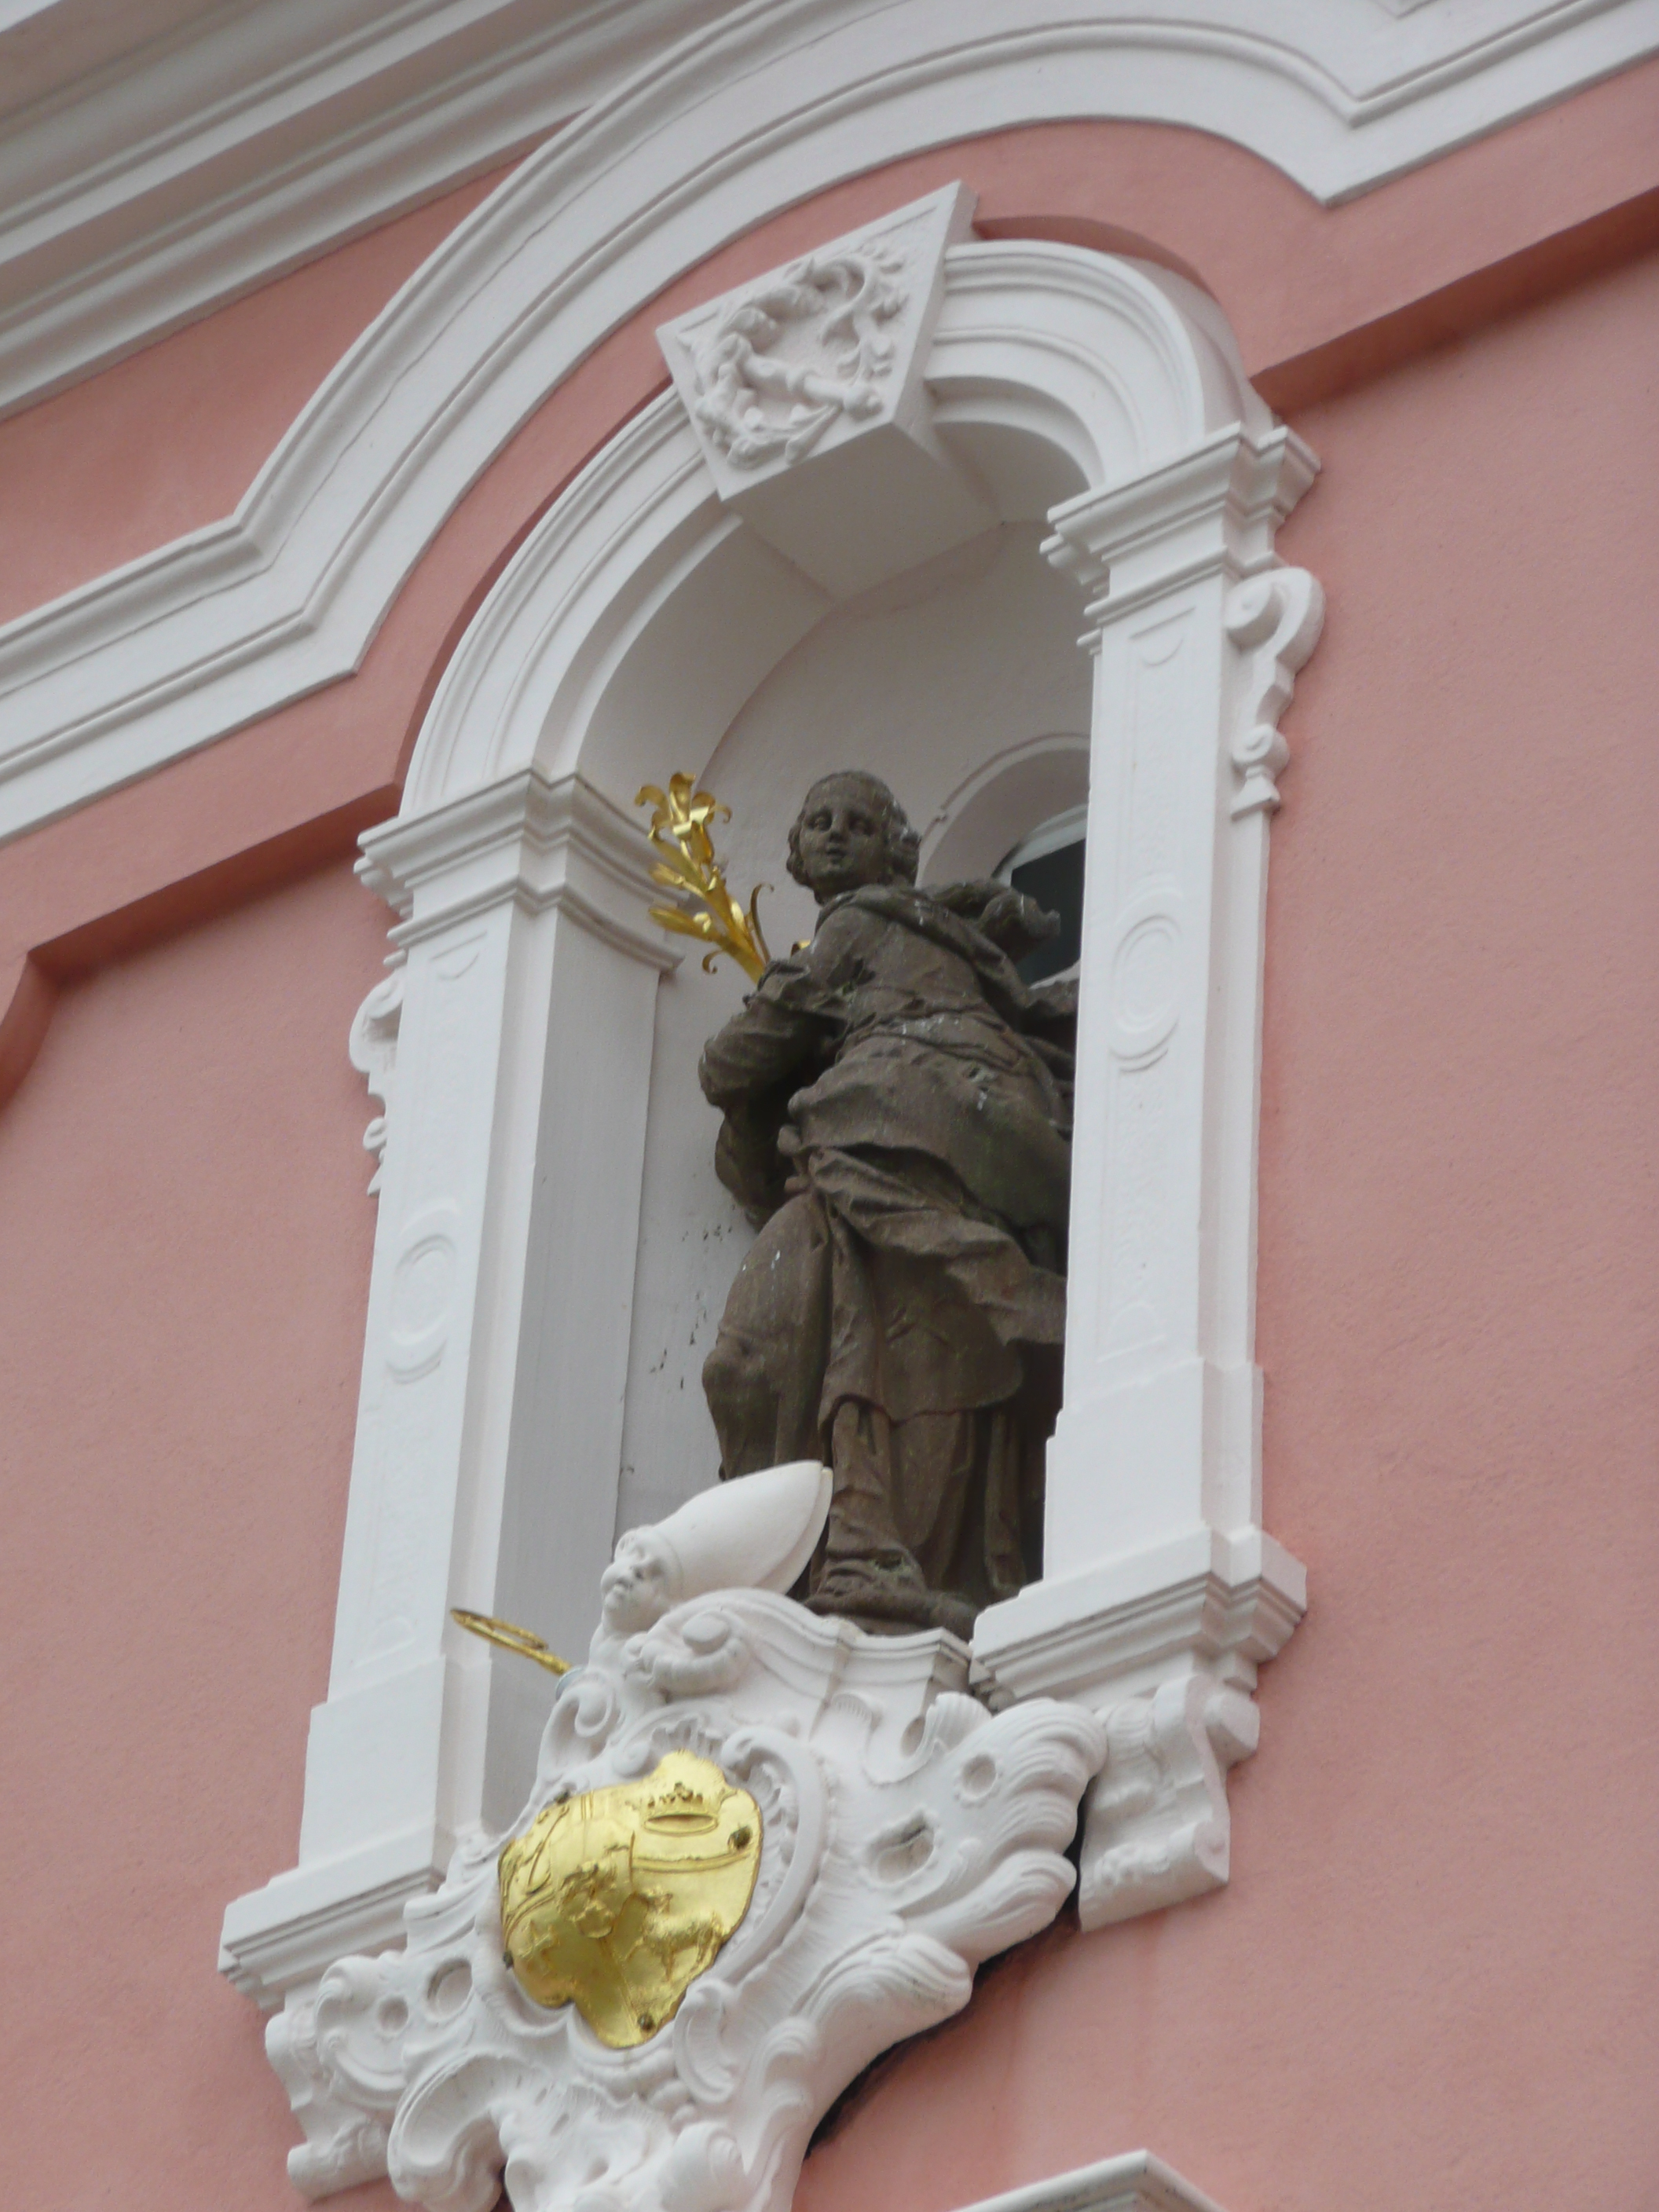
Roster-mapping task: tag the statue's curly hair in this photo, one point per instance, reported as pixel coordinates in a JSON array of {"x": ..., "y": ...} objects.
[{"x": 903, "y": 845}]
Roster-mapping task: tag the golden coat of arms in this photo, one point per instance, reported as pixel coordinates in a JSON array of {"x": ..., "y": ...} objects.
[{"x": 616, "y": 1900}]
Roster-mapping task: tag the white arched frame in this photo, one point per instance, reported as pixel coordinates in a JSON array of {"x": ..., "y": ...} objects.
[{"x": 513, "y": 1044}]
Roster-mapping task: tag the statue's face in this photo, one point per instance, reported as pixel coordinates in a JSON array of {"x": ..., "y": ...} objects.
[
  {"x": 841, "y": 837},
  {"x": 634, "y": 1588}
]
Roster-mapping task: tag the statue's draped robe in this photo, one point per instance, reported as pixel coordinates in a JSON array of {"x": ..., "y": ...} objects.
[{"x": 896, "y": 1117}]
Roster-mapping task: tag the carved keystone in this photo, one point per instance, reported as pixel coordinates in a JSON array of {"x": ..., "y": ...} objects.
[{"x": 805, "y": 389}]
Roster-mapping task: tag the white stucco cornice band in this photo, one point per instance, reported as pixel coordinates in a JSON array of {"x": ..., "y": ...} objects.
[
  {"x": 250, "y": 141},
  {"x": 1135, "y": 2182},
  {"x": 770, "y": 103},
  {"x": 242, "y": 144}
]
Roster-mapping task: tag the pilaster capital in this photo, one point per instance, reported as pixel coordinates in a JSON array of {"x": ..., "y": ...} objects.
[
  {"x": 1215, "y": 508},
  {"x": 540, "y": 844},
  {"x": 1222, "y": 1601}
]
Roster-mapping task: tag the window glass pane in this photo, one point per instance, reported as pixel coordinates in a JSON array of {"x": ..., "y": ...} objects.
[{"x": 1055, "y": 880}]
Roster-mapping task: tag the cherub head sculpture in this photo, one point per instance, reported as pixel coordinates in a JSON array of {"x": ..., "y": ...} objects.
[
  {"x": 851, "y": 831},
  {"x": 755, "y": 1532}
]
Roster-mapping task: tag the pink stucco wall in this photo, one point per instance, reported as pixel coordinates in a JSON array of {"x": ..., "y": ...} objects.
[
  {"x": 1431, "y": 1979},
  {"x": 186, "y": 1242},
  {"x": 172, "y": 437}
]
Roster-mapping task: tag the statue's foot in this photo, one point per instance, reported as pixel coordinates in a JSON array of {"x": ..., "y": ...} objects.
[{"x": 890, "y": 1606}]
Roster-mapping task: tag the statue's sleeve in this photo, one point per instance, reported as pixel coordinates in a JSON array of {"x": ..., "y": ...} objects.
[
  {"x": 785, "y": 1036},
  {"x": 791, "y": 1023},
  {"x": 1014, "y": 922}
]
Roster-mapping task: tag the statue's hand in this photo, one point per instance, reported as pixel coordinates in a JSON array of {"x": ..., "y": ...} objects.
[{"x": 747, "y": 1159}]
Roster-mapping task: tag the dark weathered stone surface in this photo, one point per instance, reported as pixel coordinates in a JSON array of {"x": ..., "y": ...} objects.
[{"x": 896, "y": 1109}]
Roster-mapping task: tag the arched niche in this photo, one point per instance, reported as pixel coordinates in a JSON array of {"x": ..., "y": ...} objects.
[
  {"x": 536, "y": 1066},
  {"x": 1016, "y": 789},
  {"x": 925, "y": 680}
]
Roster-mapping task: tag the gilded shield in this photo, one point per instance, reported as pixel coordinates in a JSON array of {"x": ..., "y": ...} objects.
[{"x": 615, "y": 1902}]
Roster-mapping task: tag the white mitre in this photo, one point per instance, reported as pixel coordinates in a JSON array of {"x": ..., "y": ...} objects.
[{"x": 756, "y": 1532}]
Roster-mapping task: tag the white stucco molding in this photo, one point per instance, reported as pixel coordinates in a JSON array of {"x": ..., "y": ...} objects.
[
  {"x": 772, "y": 102},
  {"x": 486, "y": 1465},
  {"x": 498, "y": 1320},
  {"x": 230, "y": 151},
  {"x": 1161, "y": 1592},
  {"x": 204, "y": 162},
  {"x": 1135, "y": 2182}
]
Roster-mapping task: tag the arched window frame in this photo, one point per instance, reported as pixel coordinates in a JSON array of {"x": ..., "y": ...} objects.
[{"x": 496, "y": 1354}]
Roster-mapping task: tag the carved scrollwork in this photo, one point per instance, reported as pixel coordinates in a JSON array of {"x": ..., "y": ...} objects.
[
  {"x": 788, "y": 357},
  {"x": 373, "y": 1050},
  {"x": 907, "y": 1834},
  {"x": 347, "y": 2121},
  {"x": 1275, "y": 619},
  {"x": 1158, "y": 1824}
]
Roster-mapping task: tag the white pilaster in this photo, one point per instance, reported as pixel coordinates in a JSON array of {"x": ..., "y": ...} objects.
[
  {"x": 1156, "y": 1572},
  {"x": 490, "y": 1415}
]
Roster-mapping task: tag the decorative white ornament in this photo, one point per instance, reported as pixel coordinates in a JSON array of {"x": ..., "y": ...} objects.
[
  {"x": 908, "y": 1834},
  {"x": 805, "y": 389},
  {"x": 756, "y": 404},
  {"x": 372, "y": 1049},
  {"x": 1159, "y": 1815},
  {"x": 1167, "y": 1660},
  {"x": 1275, "y": 619}
]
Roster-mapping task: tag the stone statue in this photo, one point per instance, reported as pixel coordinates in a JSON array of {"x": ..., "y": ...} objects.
[{"x": 896, "y": 1106}]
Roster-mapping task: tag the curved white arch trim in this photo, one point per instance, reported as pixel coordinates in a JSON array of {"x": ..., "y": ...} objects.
[
  {"x": 1003, "y": 800},
  {"x": 778, "y": 101},
  {"x": 501, "y": 1295},
  {"x": 1115, "y": 365},
  {"x": 230, "y": 152}
]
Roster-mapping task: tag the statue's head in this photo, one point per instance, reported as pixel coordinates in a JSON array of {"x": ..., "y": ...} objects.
[{"x": 851, "y": 831}]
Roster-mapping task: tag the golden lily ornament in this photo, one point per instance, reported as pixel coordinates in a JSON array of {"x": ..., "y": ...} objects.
[{"x": 686, "y": 862}]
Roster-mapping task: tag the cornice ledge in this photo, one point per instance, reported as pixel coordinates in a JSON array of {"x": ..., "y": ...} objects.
[
  {"x": 1134, "y": 2182},
  {"x": 279, "y": 1938},
  {"x": 560, "y": 844},
  {"x": 1218, "y": 505},
  {"x": 1226, "y": 1601}
]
